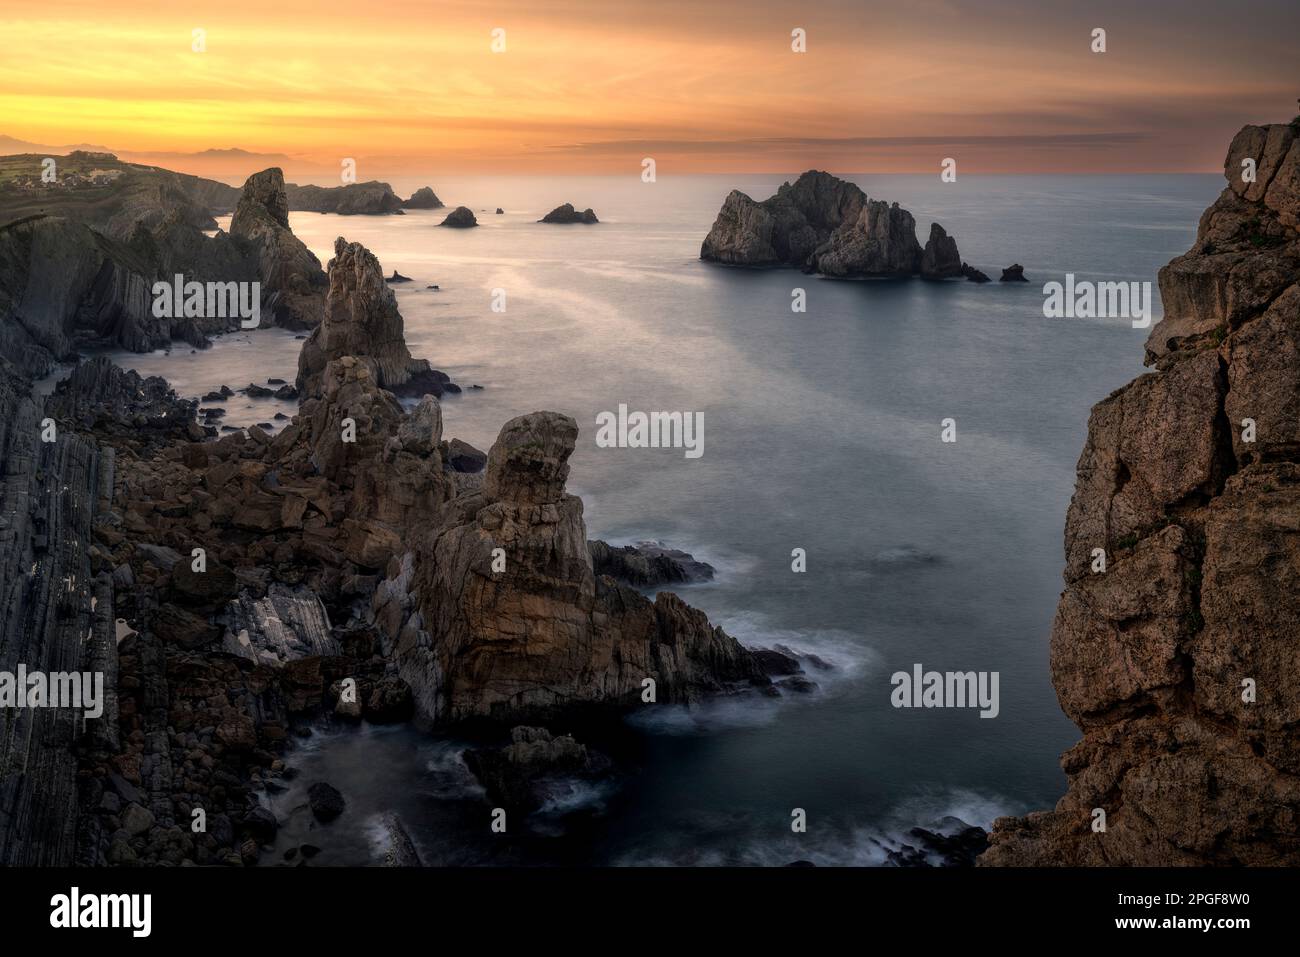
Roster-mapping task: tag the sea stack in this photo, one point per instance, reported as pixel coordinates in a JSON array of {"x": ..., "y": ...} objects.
[
  {"x": 460, "y": 218},
  {"x": 823, "y": 224},
  {"x": 567, "y": 214},
  {"x": 423, "y": 198}
]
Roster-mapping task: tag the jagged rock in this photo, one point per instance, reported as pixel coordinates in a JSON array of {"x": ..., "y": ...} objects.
[
  {"x": 500, "y": 211},
  {"x": 293, "y": 284},
  {"x": 285, "y": 625},
  {"x": 397, "y": 277},
  {"x": 352, "y": 199},
  {"x": 544, "y": 635},
  {"x": 361, "y": 320},
  {"x": 533, "y": 768},
  {"x": 463, "y": 457},
  {"x": 973, "y": 274},
  {"x": 1178, "y": 661},
  {"x": 326, "y": 801},
  {"x": 423, "y": 198},
  {"x": 1013, "y": 273},
  {"x": 567, "y": 214},
  {"x": 822, "y": 224},
  {"x": 460, "y": 217},
  {"x": 940, "y": 260},
  {"x": 648, "y": 564}
]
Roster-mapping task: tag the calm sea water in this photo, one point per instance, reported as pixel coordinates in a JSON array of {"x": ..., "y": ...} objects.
[{"x": 822, "y": 433}]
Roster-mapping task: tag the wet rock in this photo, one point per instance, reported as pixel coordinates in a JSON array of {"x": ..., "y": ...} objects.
[
  {"x": 326, "y": 802},
  {"x": 1013, "y": 273},
  {"x": 648, "y": 564}
]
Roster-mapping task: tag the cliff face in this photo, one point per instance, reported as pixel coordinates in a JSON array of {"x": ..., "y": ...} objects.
[
  {"x": 55, "y": 615},
  {"x": 530, "y": 631},
  {"x": 823, "y": 224},
  {"x": 1179, "y": 662}
]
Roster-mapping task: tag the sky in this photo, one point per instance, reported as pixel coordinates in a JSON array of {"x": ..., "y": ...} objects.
[{"x": 596, "y": 87}]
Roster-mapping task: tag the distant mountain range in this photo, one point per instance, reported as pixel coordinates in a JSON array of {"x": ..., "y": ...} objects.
[{"x": 226, "y": 164}]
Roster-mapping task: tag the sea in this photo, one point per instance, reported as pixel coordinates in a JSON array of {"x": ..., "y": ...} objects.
[{"x": 823, "y": 431}]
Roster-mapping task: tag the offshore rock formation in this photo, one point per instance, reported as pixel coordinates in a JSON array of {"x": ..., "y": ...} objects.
[
  {"x": 423, "y": 198},
  {"x": 567, "y": 214},
  {"x": 1179, "y": 662},
  {"x": 361, "y": 320},
  {"x": 353, "y": 199},
  {"x": 460, "y": 218},
  {"x": 538, "y": 634},
  {"x": 940, "y": 259},
  {"x": 822, "y": 224},
  {"x": 293, "y": 284}
]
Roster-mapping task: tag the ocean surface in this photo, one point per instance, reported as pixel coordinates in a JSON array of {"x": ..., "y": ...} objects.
[{"x": 821, "y": 432}]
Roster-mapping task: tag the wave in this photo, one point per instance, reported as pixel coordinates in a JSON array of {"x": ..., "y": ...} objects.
[{"x": 735, "y": 841}]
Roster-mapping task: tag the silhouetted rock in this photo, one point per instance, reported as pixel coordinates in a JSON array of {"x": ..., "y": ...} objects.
[
  {"x": 460, "y": 217},
  {"x": 821, "y": 224},
  {"x": 352, "y": 199},
  {"x": 567, "y": 214},
  {"x": 940, "y": 260},
  {"x": 1013, "y": 273},
  {"x": 423, "y": 198}
]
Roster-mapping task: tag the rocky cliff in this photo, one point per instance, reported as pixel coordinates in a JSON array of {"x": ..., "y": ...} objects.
[
  {"x": 1179, "y": 661},
  {"x": 823, "y": 224}
]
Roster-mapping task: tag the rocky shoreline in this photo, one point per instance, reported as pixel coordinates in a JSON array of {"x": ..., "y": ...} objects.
[{"x": 357, "y": 564}]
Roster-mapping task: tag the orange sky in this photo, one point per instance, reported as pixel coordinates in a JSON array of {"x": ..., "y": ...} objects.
[{"x": 1001, "y": 85}]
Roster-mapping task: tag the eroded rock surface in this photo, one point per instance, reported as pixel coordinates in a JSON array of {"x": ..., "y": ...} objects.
[
  {"x": 824, "y": 224},
  {"x": 1179, "y": 662}
]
